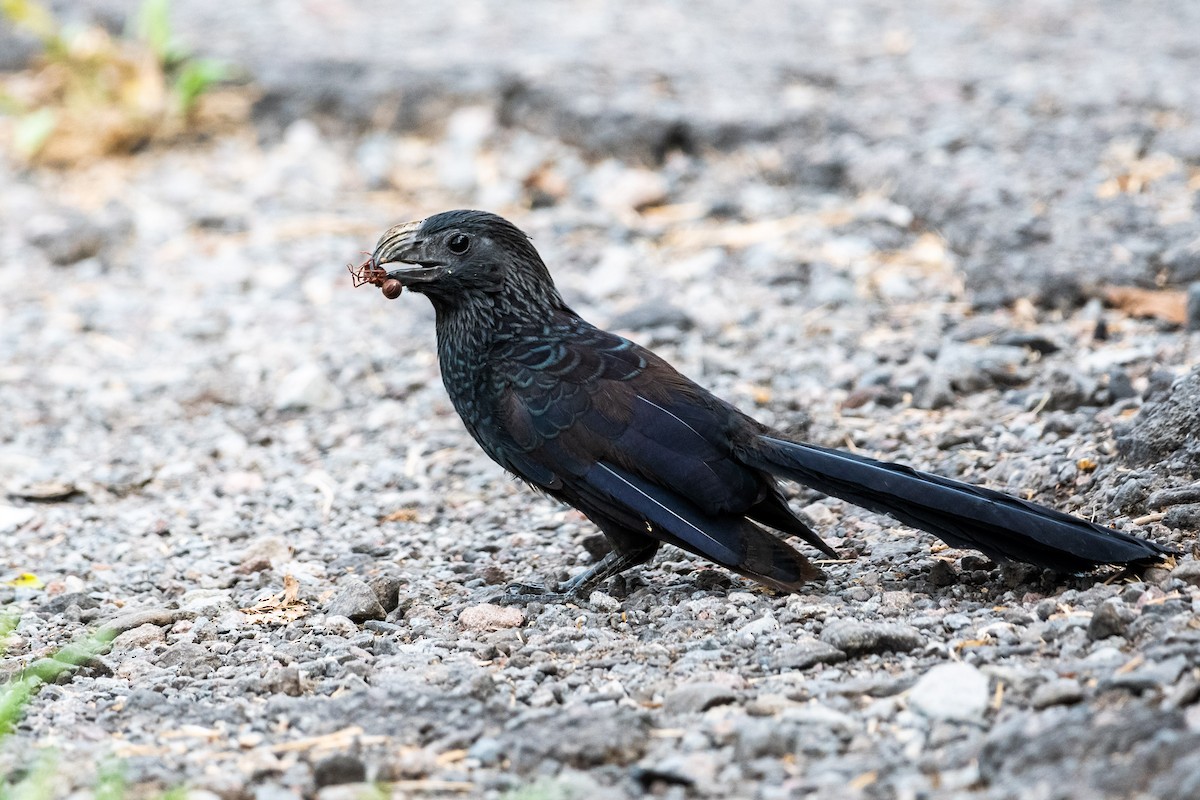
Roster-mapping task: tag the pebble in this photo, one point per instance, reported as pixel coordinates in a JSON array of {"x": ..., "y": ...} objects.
[
  {"x": 13, "y": 517},
  {"x": 65, "y": 236},
  {"x": 858, "y": 638},
  {"x": 692, "y": 698},
  {"x": 942, "y": 573},
  {"x": 139, "y": 637},
  {"x": 338, "y": 769},
  {"x": 652, "y": 315},
  {"x": 1188, "y": 572},
  {"x": 191, "y": 659},
  {"x": 1193, "y": 306},
  {"x": 680, "y": 769},
  {"x": 490, "y": 617},
  {"x": 580, "y": 737},
  {"x": 1151, "y": 675},
  {"x": 757, "y": 627},
  {"x": 356, "y": 601},
  {"x": 604, "y": 602},
  {"x": 1057, "y": 692},
  {"x": 1110, "y": 618},
  {"x": 964, "y": 368},
  {"x": 305, "y": 388},
  {"x": 387, "y": 591},
  {"x": 487, "y": 750},
  {"x": 626, "y": 190},
  {"x": 955, "y": 691},
  {"x": 804, "y": 653},
  {"x": 269, "y": 550},
  {"x": 339, "y": 625}
]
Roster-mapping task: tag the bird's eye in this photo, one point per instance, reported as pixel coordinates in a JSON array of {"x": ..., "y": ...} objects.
[{"x": 459, "y": 243}]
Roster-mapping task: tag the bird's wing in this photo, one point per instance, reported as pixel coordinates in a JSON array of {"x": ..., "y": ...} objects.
[{"x": 586, "y": 396}]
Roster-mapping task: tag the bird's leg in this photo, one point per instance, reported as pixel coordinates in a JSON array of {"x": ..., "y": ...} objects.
[{"x": 614, "y": 563}]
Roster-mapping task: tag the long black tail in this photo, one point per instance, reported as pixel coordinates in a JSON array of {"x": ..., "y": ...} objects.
[{"x": 999, "y": 525}]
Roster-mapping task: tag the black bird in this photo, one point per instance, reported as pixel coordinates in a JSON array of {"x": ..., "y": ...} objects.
[{"x": 610, "y": 428}]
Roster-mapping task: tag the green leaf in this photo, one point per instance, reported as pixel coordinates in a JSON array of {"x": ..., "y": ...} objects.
[
  {"x": 153, "y": 26},
  {"x": 195, "y": 77}
]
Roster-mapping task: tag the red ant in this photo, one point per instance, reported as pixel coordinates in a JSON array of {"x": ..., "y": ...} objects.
[{"x": 376, "y": 276}]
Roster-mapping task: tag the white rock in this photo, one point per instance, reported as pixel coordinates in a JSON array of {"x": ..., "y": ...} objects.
[
  {"x": 954, "y": 691},
  {"x": 209, "y": 602},
  {"x": 489, "y": 617},
  {"x": 604, "y": 602},
  {"x": 140, "y": 637},
  {"x": 632, "y": 190},
  {"x": 307, "y": 387},
  {"x": 762, "y": 625},
  {"x": 340, "y": 625},
  {"x": 12, "y": 517}
]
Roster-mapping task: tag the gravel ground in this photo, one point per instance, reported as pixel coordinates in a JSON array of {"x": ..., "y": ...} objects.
[{"x": 213, "y": 444}]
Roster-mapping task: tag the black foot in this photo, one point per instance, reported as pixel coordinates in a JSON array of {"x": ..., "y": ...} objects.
[{"x": 518, "y": 594}]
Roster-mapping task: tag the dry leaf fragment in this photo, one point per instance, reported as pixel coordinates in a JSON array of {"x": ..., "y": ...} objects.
[{"x": 1169, "y": 305}]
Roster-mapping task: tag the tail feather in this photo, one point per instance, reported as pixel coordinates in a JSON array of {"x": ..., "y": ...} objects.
[
  {"x": 728, "y": 539},
  {"x": 999, "y": 525}
]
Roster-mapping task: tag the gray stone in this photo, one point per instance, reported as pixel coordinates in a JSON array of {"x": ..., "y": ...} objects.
[
  {"x": 387, "y": 591},
  {"x": 942, "y": 573},
  {"x": 1057, "y": 692},
  {"x": 356, "y": 601},
  {"x": 139, "y": 637},
  {"x": 340, "y": 625},
  {"x": 1183, "y": 265},
  {"x": 692, "y": 698},
  {"x": 65, "y": 236},
  {"x": 680, "y": 769},
  {"x": 857, "y": 638},
  {"x": 191, "y": 659},
  {"x": 578, "y": 737},
  {"x": 1188, "y": 572},
  {"x": 1110, "y": 618},
  {"x": 965, "y": 368},
  {"x": 1178, "y": 495},
  {"x": 339, "y": 768},
  {"x": 1149, "y": 676},
  {"x": 1193, "y": 306},
  {"x": 652, "y": 315},
  {"x": 1164, "y": 430},
  {"x": 1184, "y": 517},
  {"x": 804, "y": 653},
  {"x": 759, "y": 738},
  {"x": 60, "y": 603},
  {"x": 487, "y": 749}
]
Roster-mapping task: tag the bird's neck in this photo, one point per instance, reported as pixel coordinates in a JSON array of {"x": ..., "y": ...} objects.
[
  {"x": 467, "y": 333},
  {"x": 466, "y": 330}
]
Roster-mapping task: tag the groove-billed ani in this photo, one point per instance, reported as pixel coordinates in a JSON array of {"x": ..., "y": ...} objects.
[{"x": 612, "y": 429}]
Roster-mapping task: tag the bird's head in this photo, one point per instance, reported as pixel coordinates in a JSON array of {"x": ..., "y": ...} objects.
[{"x": 460, "y": 256}]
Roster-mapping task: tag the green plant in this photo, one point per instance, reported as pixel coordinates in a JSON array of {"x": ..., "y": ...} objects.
[
  {"x": 38, "y": 780},
  {"x": 190, "y": 77},
  {"x": 91, "y": 95}
]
